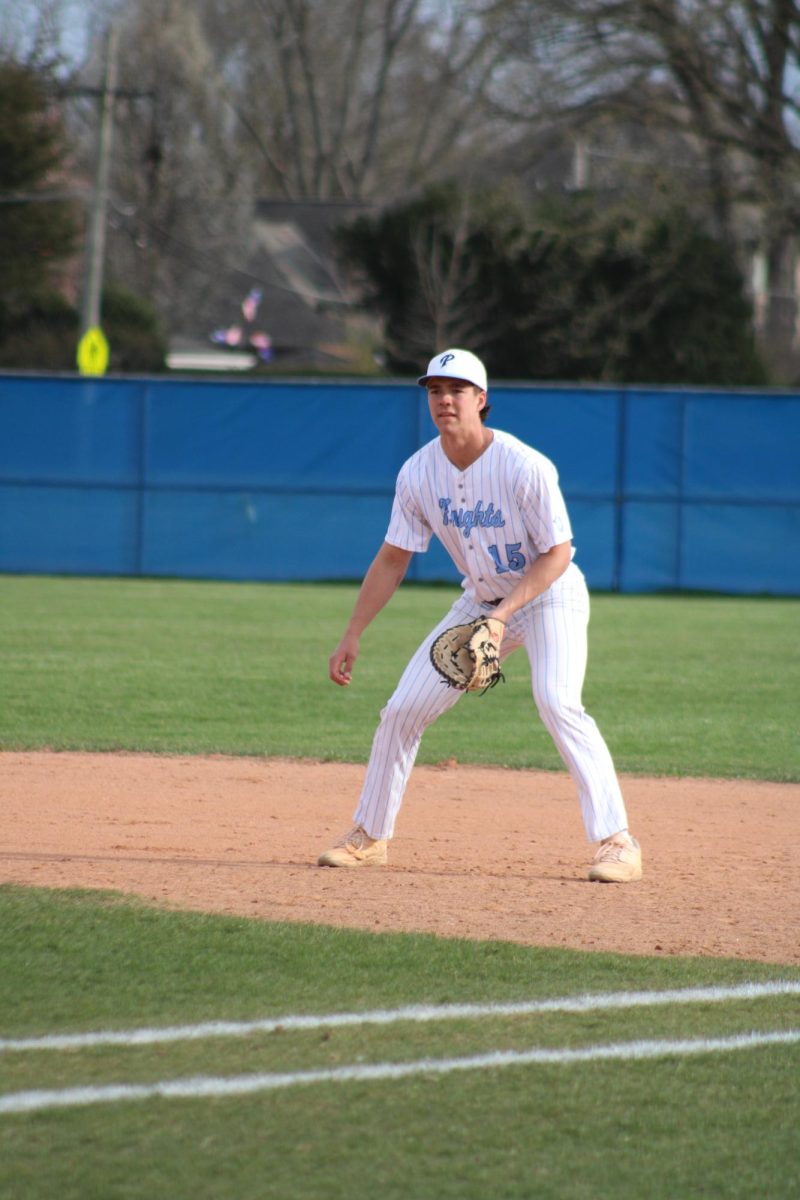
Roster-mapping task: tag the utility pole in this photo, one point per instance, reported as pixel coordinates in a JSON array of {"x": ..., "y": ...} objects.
[
  {"x": 96, "y": 239},
  {"x": 92, "y": 347}
]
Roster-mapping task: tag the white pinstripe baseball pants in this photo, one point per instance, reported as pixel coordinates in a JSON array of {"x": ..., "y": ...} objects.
[{"x": 553, "y": 630}]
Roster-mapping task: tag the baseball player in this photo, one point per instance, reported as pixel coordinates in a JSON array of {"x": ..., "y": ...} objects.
[{"x": 496, "y": 506}]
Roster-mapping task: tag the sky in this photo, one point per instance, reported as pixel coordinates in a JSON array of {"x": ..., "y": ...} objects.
[{"x": 77, "y": 21}]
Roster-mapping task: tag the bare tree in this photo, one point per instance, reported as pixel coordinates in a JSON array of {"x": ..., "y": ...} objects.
[
  {"x": 723, "y": 75},
  {"x": 219, "y": 101},
  {"x": 181, "y": 190},
  {"x": 445, "y": 312},
  {"x": 356, "y": 99}
]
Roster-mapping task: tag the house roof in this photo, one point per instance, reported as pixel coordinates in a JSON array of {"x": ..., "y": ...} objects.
[{"x": 302, "y": 301}]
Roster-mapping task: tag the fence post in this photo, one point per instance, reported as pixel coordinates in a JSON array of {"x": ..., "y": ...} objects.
[
  {"x": 141, "y": 475},
  {"x": 619, "y": 491}
]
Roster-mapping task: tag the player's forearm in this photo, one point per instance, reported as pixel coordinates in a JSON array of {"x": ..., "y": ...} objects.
[
  {"x": 544, "y": 572},
  {"x": 380, "y": 583}
]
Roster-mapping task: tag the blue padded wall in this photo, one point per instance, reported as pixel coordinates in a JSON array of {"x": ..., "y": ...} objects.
[{"x": 282, "y": 480}]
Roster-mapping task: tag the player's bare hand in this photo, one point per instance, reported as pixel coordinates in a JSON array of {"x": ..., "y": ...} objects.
[{"x": 340, "y": 665}]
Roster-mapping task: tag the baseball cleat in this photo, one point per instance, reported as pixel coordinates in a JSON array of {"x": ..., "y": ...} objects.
[
  {"x": 355, "y": 849},
  {"x": 618, "y": 860}
]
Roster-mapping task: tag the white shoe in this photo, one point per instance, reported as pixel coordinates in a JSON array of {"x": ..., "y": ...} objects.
[
  {"x": 355, "y": 849},
  {"x": 618, "y": 860}
]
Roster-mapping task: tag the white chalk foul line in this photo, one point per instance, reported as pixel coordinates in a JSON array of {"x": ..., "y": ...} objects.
[
  {"x": 204, "y": 1086},
  {"x": 443, "y": 1012}
]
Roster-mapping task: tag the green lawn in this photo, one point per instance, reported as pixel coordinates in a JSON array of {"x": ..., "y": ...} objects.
[
  {"x": 684, "y": 685},
  {"x": 721, "y": 1124}
]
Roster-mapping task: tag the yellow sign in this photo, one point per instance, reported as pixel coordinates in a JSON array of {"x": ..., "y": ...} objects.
[{"x": 92, "y": 353}]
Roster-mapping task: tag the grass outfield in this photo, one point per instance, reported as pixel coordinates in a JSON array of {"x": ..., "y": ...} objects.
[
  {"x": 715, "y": 1121},
  {"x": 680, "y": 685}
]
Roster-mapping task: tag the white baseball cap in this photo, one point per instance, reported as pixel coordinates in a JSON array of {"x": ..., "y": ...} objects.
[{"x": 456, "y": 364}]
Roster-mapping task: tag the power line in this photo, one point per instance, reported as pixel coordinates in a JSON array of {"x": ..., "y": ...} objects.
[{"x": 43, "y": 197}]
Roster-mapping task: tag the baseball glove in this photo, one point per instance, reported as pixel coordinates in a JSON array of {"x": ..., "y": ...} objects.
[{"x": 468, "y": 656}]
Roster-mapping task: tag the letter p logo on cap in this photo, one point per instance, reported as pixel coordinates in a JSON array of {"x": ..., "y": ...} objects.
[{"x": 456, "y": 364}]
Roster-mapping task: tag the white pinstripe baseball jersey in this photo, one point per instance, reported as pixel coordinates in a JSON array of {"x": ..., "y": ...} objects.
[{"x": 494, "y": 518}]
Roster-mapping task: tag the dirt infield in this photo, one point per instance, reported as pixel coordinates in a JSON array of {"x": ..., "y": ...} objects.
[{"x": 479, "y": 852}]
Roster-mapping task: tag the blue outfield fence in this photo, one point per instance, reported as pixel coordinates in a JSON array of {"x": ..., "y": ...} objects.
[{"x": 279, "y": 480}]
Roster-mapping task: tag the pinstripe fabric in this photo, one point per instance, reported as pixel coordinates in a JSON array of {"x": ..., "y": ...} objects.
[
  {"x": 494, "y": 519},
  {"x": 553, "y": 629},
  {"x": 507, "y": 497}
]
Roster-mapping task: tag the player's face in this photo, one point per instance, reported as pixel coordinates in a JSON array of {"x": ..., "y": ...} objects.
[{"x": 454, "y": 404}]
